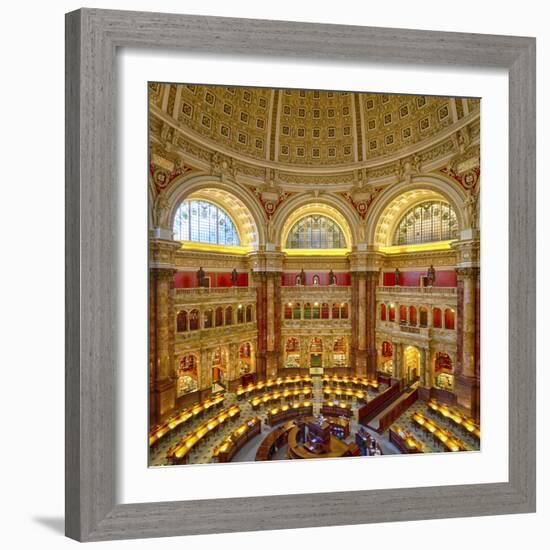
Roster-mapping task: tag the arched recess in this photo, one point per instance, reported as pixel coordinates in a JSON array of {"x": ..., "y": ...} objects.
[
  {"x": 239, "y": 204},
  {"x": 302, "y": 206},
  {"x": 388, "y": 210}
]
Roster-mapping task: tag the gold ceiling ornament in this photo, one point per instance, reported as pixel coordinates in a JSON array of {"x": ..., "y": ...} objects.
[{"x": 306, "y": 128}]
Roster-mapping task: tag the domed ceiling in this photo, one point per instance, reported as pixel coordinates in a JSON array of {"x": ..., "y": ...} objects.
[{"x": 304, "y": 127}]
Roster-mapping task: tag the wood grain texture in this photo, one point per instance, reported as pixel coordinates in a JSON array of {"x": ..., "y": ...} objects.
[{"x": 92, "y": 37}]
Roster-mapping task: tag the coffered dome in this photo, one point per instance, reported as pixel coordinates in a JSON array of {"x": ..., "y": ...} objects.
[{"x": 305, "y": 127}]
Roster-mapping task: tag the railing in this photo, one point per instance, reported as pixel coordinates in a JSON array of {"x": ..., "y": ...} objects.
[
  {"x": 221, "y": 330},
  {"x": 438, "y": 290},
  {"x": 218, "y": 290},
  {"x": 316, "y": 287},
  {"x": 412, "y": 330}
]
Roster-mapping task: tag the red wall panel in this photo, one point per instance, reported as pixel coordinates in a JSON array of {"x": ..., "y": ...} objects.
[
  {"x": 437, "y": 317},
  {"x": 342, "y": 279},
  {"x": 188, "y": 279},
  {"x": 412, "y": 278}
]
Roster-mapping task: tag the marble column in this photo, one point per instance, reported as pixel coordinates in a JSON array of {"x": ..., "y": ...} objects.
[
  {"x": 260, "y": 283},
  {"x": 273, "y": 323},
  {"x": 162, "y": 326},
  {"x": 399, "y": 364},
  {"x": 467, "y": 374},
  {"x": 423, "y": 367},
  {"x": 359, "y": 322},
  {"x": 371, "y": 283},
  {"x": 394, "y": 360}
]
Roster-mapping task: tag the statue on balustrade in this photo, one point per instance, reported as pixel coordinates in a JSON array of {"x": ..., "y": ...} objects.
[
  {"x": 301, "y": 279},
  {"x": 200, "y": 277},
  {"x": 396, "y": 277},
  {"x": 430, "y": 279},
  {"x": 331, "y": 278},
  {"x": 234, "y": 277}
]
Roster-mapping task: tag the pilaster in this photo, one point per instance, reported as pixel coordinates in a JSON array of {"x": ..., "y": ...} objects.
[{"x": 467, "y": 326}]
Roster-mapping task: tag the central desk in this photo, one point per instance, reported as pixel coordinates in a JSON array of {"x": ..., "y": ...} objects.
[{"x": 320, "y": 444}]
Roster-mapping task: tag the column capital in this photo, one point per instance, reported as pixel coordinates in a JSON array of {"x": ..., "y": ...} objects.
[
  {"x": 264, "y": 262},
  {"x": 467, "y": 272},
  {"x": 467, "y": 253},
  {"x": 162, "y": 273},
  {"x": 366, "y": 261},
  {"x": 162, "y": 253}
]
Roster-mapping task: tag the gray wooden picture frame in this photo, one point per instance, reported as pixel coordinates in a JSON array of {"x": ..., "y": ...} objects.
[{"x": 92, "y": 39}]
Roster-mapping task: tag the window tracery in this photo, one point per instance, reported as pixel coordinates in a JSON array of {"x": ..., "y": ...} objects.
[
  {"x": 429, "y": 221},
  {"x": 316, "y": 231},
  {"x": 204, "y": 222}
]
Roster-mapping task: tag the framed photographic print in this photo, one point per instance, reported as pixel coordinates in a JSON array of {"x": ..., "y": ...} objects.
[{"x": 297, "y": 266}]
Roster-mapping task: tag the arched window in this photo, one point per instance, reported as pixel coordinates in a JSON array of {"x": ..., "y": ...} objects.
[
  {"x": 194, "y": 320},
  {"x": 392, "y": 312},
  {"x": 412, "y": 316},
  {"x": 336, "y": 311},
  {"x": 344, "y": 311},
  {"x": 450, "y": 319},
  {"x": 427, "y": 222},
  {"x": 423, "y": 314},
  {"x": 443, "y": 362},
  {"x": 383, "y": 312},
  {"x": 186, "y": 374},
  {"x": 208, "y": 318},
  {"x": 316, "y": 345},
  {"x": 307, "y": 311},
  {"x": 316, "y": 311},
  {"x": 324, "y": 311},
  {"x": 316, "y": 231},
  {"x": 288, "y": 311},
  {"x": 249, "y": 313},
  {"x": 244, "y": 351},
  {"x": 181, "y": 321},
  {"x": 316, "y": 280},
  {"x": 387, "y": 350},
  {"x": 403, "y": 314},
  {"x": 292, "y": 345},
  {"x": 436, "y": 312},
  {"x": 240, "y": 314},
  {"x": 296, "y": 311},
  {"x": 204, "y": 222},
  {"x": 229, "y": 315},
  {"x": 339, "y": 345},
  {"x": 219, "y": 316}
]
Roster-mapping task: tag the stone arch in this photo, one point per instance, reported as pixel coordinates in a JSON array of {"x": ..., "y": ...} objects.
[
  {"x": 239, "y": 204},
  {"x": 332, "y": 207},
  {"x": 393, "y": 203}
]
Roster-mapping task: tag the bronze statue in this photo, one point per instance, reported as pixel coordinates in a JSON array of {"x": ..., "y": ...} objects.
[
  {"x": 302, "y": 277},
  {"x": 234, "y": 277},
  {"x": 396, "y": 277},
  {"x": 431, "y": 276},
  {"x": 331, "y": 278},
  {"x": 200, "y": 277}
]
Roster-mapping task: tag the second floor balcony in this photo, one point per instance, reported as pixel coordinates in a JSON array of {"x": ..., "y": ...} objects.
[{"x": 211, "y": 295}]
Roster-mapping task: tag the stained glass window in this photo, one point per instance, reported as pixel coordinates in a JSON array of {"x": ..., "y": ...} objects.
[
  {"x": 204, "y": 222},
  {"x": 427, "y": 222},
  {"x": 316, "y": 231}
]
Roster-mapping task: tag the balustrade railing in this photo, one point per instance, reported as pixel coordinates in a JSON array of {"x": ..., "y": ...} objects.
[
  {"x": 218, "y": 290},
  {"x": 438, "y": 290}
]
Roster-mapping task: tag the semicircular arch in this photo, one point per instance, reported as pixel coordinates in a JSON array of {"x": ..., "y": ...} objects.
[
  {"x": 296, "y": 209},
  {"x": 388, "y": 210},
  {"x": 237, "y": 203}
]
